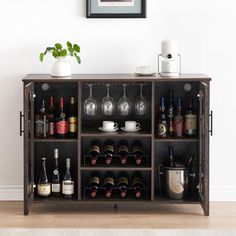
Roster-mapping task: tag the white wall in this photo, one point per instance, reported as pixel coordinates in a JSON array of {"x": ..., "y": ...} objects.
[{"x": 206, "y": 31}]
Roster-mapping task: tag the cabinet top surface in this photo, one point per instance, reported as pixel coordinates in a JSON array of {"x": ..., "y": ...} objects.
[{"x": 104, "y": 77}]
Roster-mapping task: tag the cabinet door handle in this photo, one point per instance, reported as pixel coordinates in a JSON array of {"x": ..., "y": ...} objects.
[
  {"x": 211, "y": 121},
  {"x": 21, "y": 126}
]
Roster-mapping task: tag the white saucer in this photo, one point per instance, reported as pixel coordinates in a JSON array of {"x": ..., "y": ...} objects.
[
  {"x": 108, "y": 131},
  {"x": 145, "y": 73},
  {"x": 130, "y": 131}
]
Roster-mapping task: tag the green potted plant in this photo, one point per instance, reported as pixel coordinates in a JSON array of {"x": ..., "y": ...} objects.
[{"x": 61, "y": 68}]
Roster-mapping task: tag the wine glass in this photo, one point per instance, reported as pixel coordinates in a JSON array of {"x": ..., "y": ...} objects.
[
  {"x": 124, "y": 104},
  {"x": 90, "y": 104},
  {"x": 141, "y": 103},
  {"x": 108, "y": 105}
]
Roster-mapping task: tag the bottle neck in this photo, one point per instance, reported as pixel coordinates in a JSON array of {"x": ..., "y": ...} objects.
[
  {"x": 162, "y": 104},
  {"x": 61, "y": 104}
]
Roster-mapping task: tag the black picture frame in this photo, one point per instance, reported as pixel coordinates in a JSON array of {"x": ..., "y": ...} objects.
[{"x": 142, "y": 14}]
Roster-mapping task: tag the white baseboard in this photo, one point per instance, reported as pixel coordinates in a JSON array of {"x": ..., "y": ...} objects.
[
  {"x": 222, "y": 193},
  {"x": 11, "y": 192},
  {"x": 217, "y": 193}
]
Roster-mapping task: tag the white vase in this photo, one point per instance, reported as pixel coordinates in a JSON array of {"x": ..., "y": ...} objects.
[{"x": 61, "y": 68}]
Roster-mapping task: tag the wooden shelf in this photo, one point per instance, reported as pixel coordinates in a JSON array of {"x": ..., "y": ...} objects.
[
  {"x": 115, "y": 134},
  {"x": 54, "y": 199},
  {"x": 54, "y": 140},
  {"x": 187, "y": 200},
  {"x": 177, "y": 140},
  {"x": 115, "y": 168}
]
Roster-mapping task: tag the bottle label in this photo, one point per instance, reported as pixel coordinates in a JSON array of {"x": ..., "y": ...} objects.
[
  {"x": 162, "y": 129},
  {"x": 109, "y": 148},
  {"x": 109, "y": 180},
  {"x": 51, "y": 128},
  {"x": 178, "y": 126},
  {"x": 123, "y": 148},
  {"x": 94, "y": 180},
  {"x": 72, "y": 124},
  {"x": 62, "y": 127},
  {"x": 94, "y": 148},
  {"x": 56, "y": 188},
  {"x": 190, "y": 123},
  {"x": 68, "y": 187},
  {"x": 123, "y": 180},
  {"x": 44, "y": 190}
]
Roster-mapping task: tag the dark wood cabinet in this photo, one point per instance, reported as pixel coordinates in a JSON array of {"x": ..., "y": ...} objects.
[{"x": 38, "y": 87}]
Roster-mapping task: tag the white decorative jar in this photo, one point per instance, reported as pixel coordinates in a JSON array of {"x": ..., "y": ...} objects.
[{"x": 61, "y": 68}]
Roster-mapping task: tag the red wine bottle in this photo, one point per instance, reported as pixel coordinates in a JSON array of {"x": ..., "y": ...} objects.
[
  {"x": 123, "y": 184},
  {"x": 94, "y": 151},
  {"x": 51, "y": 118},
  {"x": 108, "y": 152},
  {"x": 123, "y": 151},
  {"x": 94, "y": 184},
  {"x": 62, "y": 124},
  {"x": 137, "y": 151},
  {"x": 72, "y": 120},
  {"x": 108, "y": 184},
  {"x": 137, "y": 184},
  {"x": 178, "y": 120}
]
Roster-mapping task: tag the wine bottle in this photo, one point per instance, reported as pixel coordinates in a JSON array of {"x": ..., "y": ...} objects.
[
  {"x": 41, "y": 122},
  {"x": 108, "y": 151},
  {"x": 72, "y": 120},
  {"x": 137, "y": 184},
  {"x": 178, "y": 120},
  {"x": 94, "y": 151},
  {"x": 94, "y": 184},
  {"x": 108, "y": 184},
  {"x": 62, "y": 124},
  {"x": 170, "y": 113},
  {"x": 162, "y": 121},
  {"x": 56, "y": 183},
  {"x": 137, "y": 151},
  {"x": 171, "y": 155},
  {"x": 43, "y": 185},
  {"x": 123, "y": 184},
  {"x": 51, "y": 118},
  {"x": 67, "y": 183},
  {"x": 190, "y": 120},
  {"x": 123, "y": 151}
]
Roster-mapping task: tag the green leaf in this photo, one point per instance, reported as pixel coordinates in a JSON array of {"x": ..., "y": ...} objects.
[
  {"x": 69, "y": 45},
  {"x": 76, "y": 47},
  {"x": 58, "y": 46},
  {"x": 71, "y": 50},
  {"x": 77, "y": 58},
  {"x": 41, "y": 56},
  {"x": 55, "y": 54},
  {"x": 63, "y": 53},
  {"x": 48, "y": 49}
]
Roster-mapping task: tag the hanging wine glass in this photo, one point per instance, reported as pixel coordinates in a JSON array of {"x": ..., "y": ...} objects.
[
  {"x": 108, "y": 105},
  {"x": 141, "y": 103},
  {"x": 90, "y": 104},
  {"x": 124, "y": 104}
]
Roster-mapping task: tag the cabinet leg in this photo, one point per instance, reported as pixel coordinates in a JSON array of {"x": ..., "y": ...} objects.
[{"x": 115, "y": 206}]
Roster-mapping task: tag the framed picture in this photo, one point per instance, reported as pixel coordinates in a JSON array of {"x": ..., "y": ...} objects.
[{"x": 116, "y": 8}]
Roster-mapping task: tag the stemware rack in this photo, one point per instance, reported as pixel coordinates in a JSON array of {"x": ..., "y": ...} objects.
[{"x": 155, "y": 148}]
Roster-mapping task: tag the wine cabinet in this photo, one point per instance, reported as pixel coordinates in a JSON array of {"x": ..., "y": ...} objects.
[{"x": 154, "y": 156}]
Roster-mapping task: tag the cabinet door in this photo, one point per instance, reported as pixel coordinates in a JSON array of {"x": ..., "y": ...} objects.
[
  {"x": 204, "y": 146},
  {"x": 28, "y": 146}
]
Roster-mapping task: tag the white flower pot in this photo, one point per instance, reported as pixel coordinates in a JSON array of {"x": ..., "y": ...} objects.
[{"x": 61, "y": 68}]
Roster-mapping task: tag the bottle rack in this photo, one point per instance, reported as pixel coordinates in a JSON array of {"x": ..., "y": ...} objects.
[
  {"x": 115, "y": 195},
  {"x": 155, "y": 149},
  {"x": 115, "y": 161}
]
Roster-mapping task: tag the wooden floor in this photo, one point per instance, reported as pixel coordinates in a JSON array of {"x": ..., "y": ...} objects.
[{"x": 222, "y": 216}]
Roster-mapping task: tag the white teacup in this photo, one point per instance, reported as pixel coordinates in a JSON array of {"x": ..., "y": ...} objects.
[
  {"x": 143, "y": 69},
  {"x": 131, "y": 125},
  {"x": 109, "y": 125}
]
